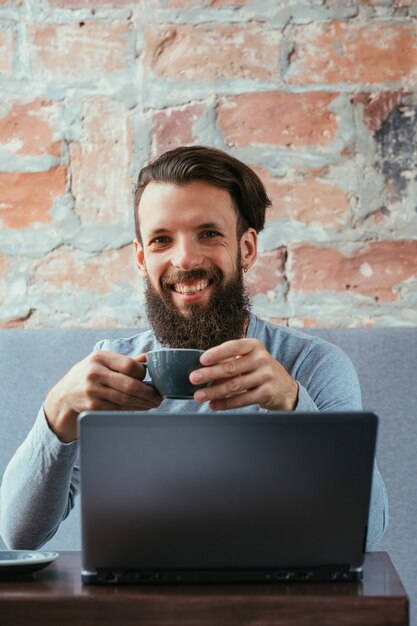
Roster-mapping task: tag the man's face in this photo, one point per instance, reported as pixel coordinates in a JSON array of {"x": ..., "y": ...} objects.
[{"x": 190, "y": 255}]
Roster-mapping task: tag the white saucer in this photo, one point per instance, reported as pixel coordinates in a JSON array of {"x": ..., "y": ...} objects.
[{"x": 23, "y": 562}]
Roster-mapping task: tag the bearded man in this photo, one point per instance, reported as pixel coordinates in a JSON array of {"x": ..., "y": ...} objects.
[{"x": 198, "y": 212}]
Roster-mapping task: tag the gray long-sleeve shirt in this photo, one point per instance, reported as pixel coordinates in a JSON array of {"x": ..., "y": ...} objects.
[{"x": 42, "y": 479}]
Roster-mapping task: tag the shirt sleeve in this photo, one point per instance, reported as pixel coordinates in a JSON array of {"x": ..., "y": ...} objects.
[
  {"x": 38, "y": 488},
  {"x": 327, "y": 379}
]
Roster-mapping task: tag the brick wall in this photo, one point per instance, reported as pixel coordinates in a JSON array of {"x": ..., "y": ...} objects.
[{"x": 316, "y": 95}]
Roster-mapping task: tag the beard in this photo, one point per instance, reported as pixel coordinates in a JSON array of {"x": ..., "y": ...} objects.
[{"x": 201, "y": 327}]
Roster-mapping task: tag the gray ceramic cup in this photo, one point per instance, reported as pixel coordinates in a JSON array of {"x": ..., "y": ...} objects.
[{"x": 170, "y": 368}]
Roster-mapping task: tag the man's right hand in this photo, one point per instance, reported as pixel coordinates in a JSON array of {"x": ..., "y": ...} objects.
[{"x": 103, "y": 381}]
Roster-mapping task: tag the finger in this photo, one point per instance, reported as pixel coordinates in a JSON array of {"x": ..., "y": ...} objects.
[
  {"x": 132, "y": 387},
  {"x": 121, "y": 390},
  {"x": 228, "y": 349},
  {"x": 118, "y": 363},
  {"x": 235, "y": 402},
  {"x": 99, "y": 404},
  {"x": 121, "y": 399},
  {"x": 229, "y": 368},
  {"x": 101, "y": 375},
  {"x": 229, "y": 387}
]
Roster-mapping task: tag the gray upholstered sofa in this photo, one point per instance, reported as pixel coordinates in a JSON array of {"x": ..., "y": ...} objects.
[{"x": 386, "y": 361}]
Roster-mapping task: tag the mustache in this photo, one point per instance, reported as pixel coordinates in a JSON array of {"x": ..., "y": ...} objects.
[{"x": 181, "y": 276}]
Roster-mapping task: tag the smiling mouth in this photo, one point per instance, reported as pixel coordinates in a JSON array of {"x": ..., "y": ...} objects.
[{"x": 190, "y": 288}]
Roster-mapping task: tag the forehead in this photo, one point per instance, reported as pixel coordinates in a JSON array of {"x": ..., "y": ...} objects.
[{"x": 168, "y": 205}]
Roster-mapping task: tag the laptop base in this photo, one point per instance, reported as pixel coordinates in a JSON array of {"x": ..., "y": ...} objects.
[{"x": 114, "y": 576}]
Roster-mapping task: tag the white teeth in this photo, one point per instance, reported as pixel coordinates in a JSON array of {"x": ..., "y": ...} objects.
[{"x": 189, "y": 289}]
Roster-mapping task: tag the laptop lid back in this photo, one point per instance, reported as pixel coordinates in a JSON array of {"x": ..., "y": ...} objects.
[{"x": 235, "y": 491}]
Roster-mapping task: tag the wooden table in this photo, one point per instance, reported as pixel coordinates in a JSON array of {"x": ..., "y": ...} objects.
[{"x": 56, "y": 596}]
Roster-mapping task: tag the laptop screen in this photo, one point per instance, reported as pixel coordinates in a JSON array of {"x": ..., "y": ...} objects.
[{"x": 212, "y": 492}]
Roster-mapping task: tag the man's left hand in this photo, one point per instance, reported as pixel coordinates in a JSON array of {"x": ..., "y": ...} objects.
[{"x": 242, "y": 372}]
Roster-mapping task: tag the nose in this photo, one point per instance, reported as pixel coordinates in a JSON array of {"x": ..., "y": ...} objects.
[{"x": 187, "y": 254}]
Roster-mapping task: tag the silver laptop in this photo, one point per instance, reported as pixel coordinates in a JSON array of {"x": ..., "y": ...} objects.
[{"x": 169, "y": 498}]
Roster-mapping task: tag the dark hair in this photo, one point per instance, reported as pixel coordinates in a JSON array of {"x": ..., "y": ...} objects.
[{"x": 190, "y": 163}]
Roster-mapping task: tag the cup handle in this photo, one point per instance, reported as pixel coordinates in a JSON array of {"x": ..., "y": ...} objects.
[{"x": 145, "y": 365}]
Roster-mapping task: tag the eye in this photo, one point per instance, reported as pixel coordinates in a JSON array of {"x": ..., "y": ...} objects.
[
  {"x": 210, "y": 234},
  {"x": 162, "y": 239}
]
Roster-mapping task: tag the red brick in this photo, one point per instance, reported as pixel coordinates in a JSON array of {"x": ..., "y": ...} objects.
[
  {"x": 353, "y": 52},
  {"x": 28, "y": 128},
  {"x": 100, "y": 163},
  {"x": 308, "y": 322},
  {"x": 268, "y": 272},
  {"x": 26, "y": 198},
  {"x": 277, "y": 118},
  {"x": 372, "y": 3},
  {"x": 377, "y": 107},
  {"x": 198, "y": 4},
  {"x": 174, "y": 127},
  {"x": 304, "y": 322},
  {"x": 67, "y": 269},
  {"x": 323, "y": 321},
  {"x": 18, "y": 322},
  {"x": 82, "y": 4},
  {"x": 7, "y": 39},
  {"x": 305, "y": 197},
  {"x": 99, "y": 315},
  {"x": 374, "y": 270},
  {"x": 78, "y": 51},
  {"x": 4, "y": 266},
  {"x": 227, "y": 3},
  {"x": 281, "y": 321},
  {"x": 213, "y": 52}
]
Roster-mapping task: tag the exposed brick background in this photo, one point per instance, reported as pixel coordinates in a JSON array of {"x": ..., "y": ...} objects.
[{"x": 318, "y": 96}]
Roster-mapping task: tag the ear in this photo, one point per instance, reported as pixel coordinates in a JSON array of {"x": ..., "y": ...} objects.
[
  {"x": 248, "y": 247},
  {"x": 140, "y": 258}
]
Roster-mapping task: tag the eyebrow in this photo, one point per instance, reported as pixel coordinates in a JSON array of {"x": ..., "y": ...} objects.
[
  {"x": 163, "y": 231},
  {"x": 157, "y": 231},
  {"x": 215, "y": 225}
]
